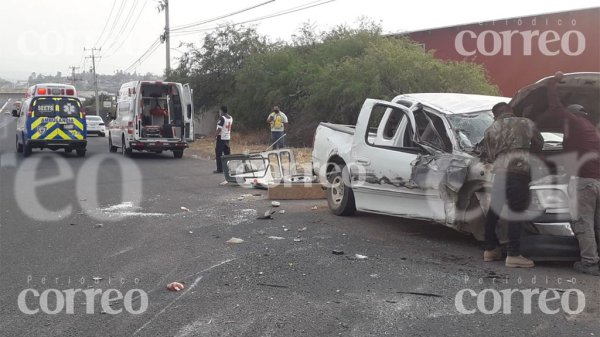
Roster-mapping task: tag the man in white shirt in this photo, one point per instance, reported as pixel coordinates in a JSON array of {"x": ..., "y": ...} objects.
[
  {"x": 277, "y": 120},
  {"x": 223, "y": 136}
]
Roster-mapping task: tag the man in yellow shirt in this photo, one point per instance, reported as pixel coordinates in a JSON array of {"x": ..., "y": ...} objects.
[{"x": 277, "y": 120}]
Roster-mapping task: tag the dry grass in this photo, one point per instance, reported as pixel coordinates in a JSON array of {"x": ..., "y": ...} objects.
[{"x": 245, "y": 143}]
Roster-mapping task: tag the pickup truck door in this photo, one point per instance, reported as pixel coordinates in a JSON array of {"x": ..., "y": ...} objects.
[
  {"x": 384, "y": 147},
  {"x": 188, "y": 113}
]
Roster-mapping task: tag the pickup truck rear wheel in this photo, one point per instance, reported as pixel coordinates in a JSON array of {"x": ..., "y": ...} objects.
[{"x": 340, "y": 197}]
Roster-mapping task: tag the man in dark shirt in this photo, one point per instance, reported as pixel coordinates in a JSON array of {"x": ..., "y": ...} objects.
[{"x": 581, "y": 138}]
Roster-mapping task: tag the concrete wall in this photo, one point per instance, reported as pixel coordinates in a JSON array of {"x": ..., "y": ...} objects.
[{"x": 205, "y": 122}]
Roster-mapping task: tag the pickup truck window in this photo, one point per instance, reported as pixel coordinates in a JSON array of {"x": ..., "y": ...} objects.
[
  {"x": 387, "y": 128},
  {"x": 431, "y": 130}
]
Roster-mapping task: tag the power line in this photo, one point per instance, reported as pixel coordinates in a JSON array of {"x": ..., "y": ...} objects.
[
  {"x": 106, "y": 23},
  {"x": 145, "y": 55},
  {"x": 190, "y": 25},
  {"x": 125, "y": 24},
  {"x": 114, "y": 24},
  {"x": 269, "y": 16},
  {"x": 129, "y": 31}
]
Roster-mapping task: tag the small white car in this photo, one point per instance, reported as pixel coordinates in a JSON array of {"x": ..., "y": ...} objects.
[{"x": 95, "y": 125}]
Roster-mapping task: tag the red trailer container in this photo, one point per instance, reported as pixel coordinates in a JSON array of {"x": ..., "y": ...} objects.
[{"x": 519, "y": 51}]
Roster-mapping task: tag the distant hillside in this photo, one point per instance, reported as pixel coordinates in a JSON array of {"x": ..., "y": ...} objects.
[
  {"x": 4, "y": 82},
  {"x": 85, "y": 81}
]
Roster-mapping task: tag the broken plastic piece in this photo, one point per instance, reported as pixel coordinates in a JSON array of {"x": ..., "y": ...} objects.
[
  {"x": 275, "y": 203},
  {"x": 185, "y": 209},
  {"x": 175, "y": 286},
  {"x": 224, "y": 183},
  {"x": 337, "y": 252},
  {"x": 268, "y": 215},
  {"x": 276, "y": 238},
  {"x": 235, "y": 240},
  {"x": 314, "y": 208},
  {"x": 360, "y": 257}
]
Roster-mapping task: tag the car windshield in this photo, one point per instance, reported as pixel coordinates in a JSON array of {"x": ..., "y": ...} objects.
[
  {"x": 470, "y": 128},
  {"x": 56, "y": 106}
]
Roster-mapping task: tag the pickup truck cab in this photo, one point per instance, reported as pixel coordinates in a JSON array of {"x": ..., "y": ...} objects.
[
  {"x": 417, "y": 157},
  {"x": 152, "y": 116}
]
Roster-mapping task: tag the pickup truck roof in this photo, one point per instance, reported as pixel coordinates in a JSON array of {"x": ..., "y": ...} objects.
[{"x": 451, "y": 103}]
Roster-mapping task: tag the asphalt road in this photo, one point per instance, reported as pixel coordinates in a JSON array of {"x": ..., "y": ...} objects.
[{"x": 65, "y": 221}]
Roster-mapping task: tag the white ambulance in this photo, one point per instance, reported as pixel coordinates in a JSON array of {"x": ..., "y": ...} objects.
[{"x": 152, "y": 116}]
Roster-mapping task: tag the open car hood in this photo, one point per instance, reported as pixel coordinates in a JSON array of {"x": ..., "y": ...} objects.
[{"x": 574, "y": 88}]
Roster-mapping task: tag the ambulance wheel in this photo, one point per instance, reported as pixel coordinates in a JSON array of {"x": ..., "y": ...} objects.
[
  {"x": 124, "y": 150},
  {"x": 27, "y": 150},
  {"x": 19, "y": 146},
  {"x": 111, "y": 147},
  {"x": 80, "y": 152},
  {"x": 177, "y": 153}
]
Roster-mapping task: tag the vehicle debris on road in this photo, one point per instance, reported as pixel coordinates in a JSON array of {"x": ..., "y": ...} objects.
[
  {"x": 275, "y": 203},
  {"x": 358, "y": 257},
  {"x": 276, "y": 238},
  {"x": 175, "y": 286},
  {"x": 185, "y": 209},
  {"x": 235, "y": 240},
  {"x": 337, "y": 252},
  {"x": 418, "y": 293},
  {"x": 268, "y": 215}
]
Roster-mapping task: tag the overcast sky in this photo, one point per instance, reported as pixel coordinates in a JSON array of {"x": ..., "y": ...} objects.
[{"x": 49, "y": 36}]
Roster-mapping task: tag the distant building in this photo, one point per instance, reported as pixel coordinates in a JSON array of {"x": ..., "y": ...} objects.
[{"x": 519, "y": 51}]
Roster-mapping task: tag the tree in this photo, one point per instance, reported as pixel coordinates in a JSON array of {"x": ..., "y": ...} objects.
[
  {"x": 211, "y": 68},
  {"x": 318, "y": 76}
]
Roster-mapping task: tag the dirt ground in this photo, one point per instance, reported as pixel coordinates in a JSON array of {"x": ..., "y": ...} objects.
[{"x": 205, "y": 147}]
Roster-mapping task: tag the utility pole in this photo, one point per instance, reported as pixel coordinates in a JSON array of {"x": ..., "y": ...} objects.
[
  {"x": 93, "y": 57},
  {"x": 73, "y": 78},
  {"x": 164, "y": 5}
]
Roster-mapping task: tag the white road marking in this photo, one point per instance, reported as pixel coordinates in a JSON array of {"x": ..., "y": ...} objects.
[
  {"x": 185, "y": 291},
  {"x": 5, "y": 104}
]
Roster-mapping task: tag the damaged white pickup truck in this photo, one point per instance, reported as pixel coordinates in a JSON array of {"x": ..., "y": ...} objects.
[{"x": 416, "y": 157}]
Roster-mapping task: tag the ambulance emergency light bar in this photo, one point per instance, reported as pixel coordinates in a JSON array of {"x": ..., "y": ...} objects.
[{"x": 51, "y": 89}]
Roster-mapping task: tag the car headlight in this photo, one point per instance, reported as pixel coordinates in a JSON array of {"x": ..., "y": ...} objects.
[{"x": 551, "y": 198}]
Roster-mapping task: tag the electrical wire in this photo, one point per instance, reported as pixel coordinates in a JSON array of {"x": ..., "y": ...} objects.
[
  {"x": 191, "y": 25},
  {"x": 120, "y": 36},
  {"x": 128, "y": 32},
  {"x": 106, "y": 24},
  {"x": 145, "y": 55},
  {"x": 114, "y": 24},
  {"x": 268, "y": 16}
]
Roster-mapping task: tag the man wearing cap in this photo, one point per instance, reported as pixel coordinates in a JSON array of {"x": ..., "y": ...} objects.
[
  {"x": 582, "y": 139},
  {"x": 277, "y": 120}
]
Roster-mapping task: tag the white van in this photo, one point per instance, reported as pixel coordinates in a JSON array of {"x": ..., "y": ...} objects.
[{"x": 152, "y": 116}]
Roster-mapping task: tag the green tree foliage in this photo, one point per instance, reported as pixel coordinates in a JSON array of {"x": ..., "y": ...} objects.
[
  {"x": 211, "y": 68},
  {"x": 318, "y": 77}
]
